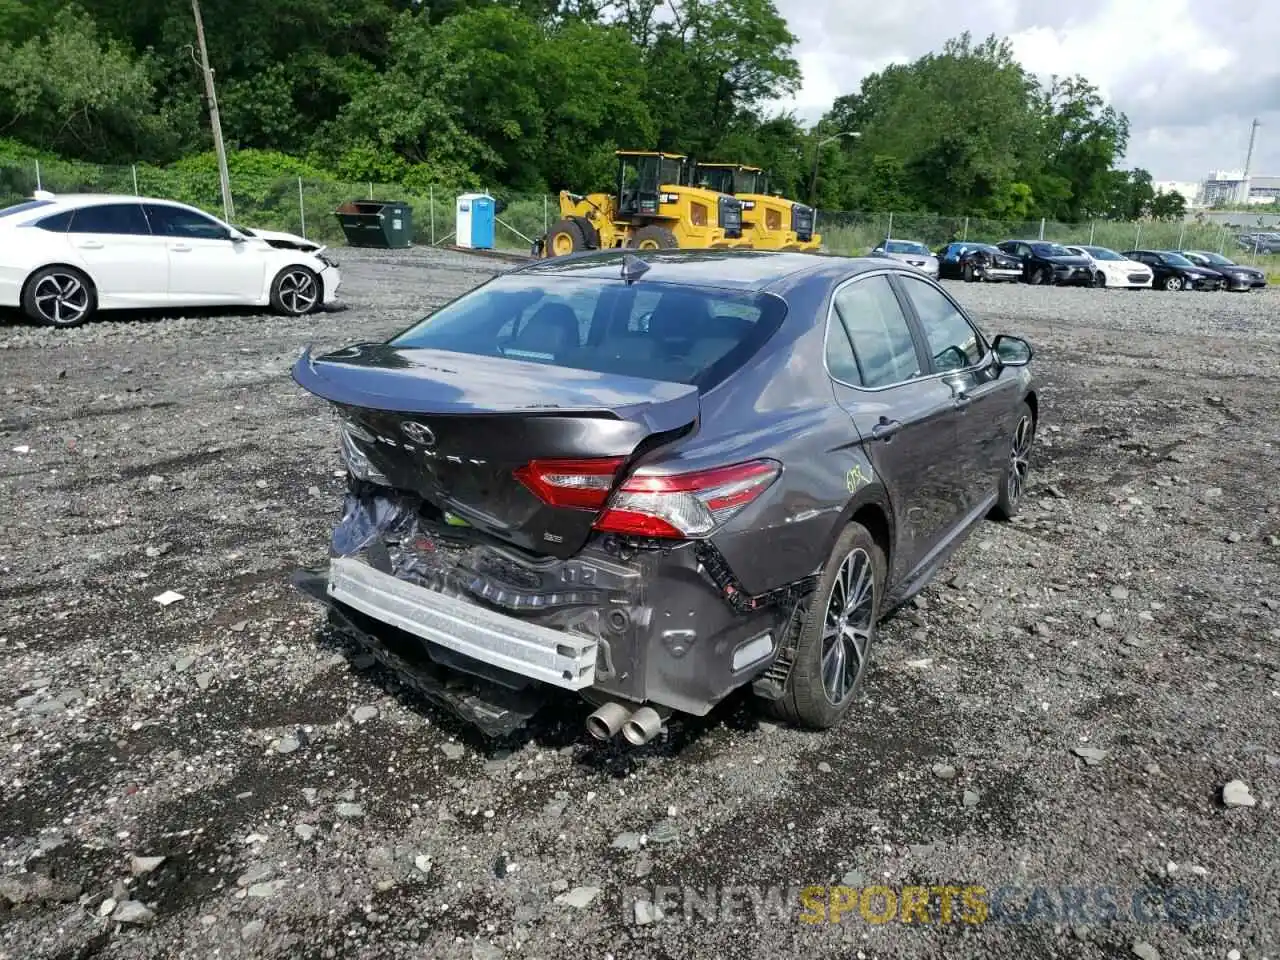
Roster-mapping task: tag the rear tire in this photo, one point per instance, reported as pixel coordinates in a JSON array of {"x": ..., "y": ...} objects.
[
  {"x": 59, "y": 297},
  {"x": 654, "y": 238},
  {"x": 1013, "y": 484},
  {"x": 564, "y": 238},
  {"x": 837, "y": 635},
  {"x": 1099, "y": 279}
]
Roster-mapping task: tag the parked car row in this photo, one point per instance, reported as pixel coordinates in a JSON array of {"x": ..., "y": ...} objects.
[
  {"x": 1042, "y": 262},
  {"x": 1265, "y": 242}
]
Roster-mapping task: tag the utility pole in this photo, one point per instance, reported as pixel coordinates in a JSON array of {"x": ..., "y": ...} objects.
[
  {"x": 817, "y": 154},
  {"x": 228, "y": 208},
  {"x": 1248, "y": 161}
]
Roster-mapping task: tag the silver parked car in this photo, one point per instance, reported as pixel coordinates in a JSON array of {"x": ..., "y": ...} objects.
[{"x": 910, "y": 252}]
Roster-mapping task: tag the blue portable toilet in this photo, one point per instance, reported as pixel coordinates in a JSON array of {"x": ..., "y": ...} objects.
[{"x": 475, "y": 221}]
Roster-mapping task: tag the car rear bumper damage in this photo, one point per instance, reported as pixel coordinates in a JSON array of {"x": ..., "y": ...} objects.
[
  {"x": 615, "y": 623},
  {"x": 518, "y": 646},
  {"x": 999, "y": 273}
]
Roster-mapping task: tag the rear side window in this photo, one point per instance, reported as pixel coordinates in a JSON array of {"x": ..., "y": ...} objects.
[
  {"x": 953, "y": 342},
  {"x": 58, "y": 223},
  {"x": 121, "y": 219},
  {"x": 869, "y": 315},
  {"x": 653, "y": 331}
]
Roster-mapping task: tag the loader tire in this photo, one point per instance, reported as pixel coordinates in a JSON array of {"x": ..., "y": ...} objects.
[
  {"x": 564, "y": 238},
  {"x": 654, "y": 238}
]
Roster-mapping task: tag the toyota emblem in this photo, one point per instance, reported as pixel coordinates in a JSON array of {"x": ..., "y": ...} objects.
[{"x": 419, "y": 433}]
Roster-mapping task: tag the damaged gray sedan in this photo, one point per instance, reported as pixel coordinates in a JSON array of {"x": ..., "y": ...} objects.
[{"x": 652, "y": 481}]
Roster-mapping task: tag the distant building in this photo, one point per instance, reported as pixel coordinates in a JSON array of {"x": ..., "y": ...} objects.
[{"x": 1229, "y": 186}]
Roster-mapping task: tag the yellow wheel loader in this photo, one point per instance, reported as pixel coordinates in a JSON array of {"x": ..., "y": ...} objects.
[
  {"x": 769, "y": 221},
  {"x": 653, "y": 208}
]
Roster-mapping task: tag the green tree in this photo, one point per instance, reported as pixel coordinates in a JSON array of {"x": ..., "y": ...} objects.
[
  {"x": 1082, "y": 137},
  {"x": 1168, "y": 206},
  {"x": 711, "y": 60},
  {"x": 1129, "y": 194},
  {"x": 73, "y": 91},
  {"x": 963, "y": 123}
]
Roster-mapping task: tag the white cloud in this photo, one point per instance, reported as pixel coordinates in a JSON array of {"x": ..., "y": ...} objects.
[{"x": 1190, "y": 76}]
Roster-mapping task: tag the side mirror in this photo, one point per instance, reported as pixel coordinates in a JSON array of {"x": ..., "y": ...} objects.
[
  {"x": 235, "y": 236},
  {"x": 878, "y": 252},
  {"x": 1012, "y": 351}
]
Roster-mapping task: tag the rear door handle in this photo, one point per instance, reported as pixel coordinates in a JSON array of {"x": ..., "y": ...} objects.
[
  {"x": 90, "y": 244},
  {"x": 180, "y": 248},
  {"x": 885, "y": 429}
]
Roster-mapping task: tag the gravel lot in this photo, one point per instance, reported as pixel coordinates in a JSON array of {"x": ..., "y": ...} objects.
[{"x": 307, "y": 806}]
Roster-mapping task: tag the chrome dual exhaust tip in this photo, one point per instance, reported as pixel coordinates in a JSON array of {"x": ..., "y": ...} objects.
[{"x": 638, "y": 727}]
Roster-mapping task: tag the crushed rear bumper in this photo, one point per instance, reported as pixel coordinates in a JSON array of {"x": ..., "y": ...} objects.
[{"x": 516, "y": 645}]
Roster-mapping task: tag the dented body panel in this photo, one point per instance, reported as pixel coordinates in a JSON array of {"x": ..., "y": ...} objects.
[{"x": 460, "y": 452}]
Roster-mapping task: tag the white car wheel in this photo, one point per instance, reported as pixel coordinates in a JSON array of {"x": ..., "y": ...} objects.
[
  {"x": 295, "y": 292},
  {"x": 59, "y": 297}
]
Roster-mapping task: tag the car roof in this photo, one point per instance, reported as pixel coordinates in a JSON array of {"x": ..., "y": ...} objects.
[
  {"x": 67, "y": 201},
  {"x": 737, "y": 269}
]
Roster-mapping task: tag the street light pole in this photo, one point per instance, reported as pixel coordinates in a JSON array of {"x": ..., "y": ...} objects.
[
  {"x": 817, "y": 153},
  {"x": 228, "y": 208}
]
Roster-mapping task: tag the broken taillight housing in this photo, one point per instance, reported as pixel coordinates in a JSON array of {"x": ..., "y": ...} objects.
[
  {"x": 669, "y": 506},
  {"x": 353, "y": 456}
]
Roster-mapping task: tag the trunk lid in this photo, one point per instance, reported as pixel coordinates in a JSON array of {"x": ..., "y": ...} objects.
[{"x": 454, "y": 428}]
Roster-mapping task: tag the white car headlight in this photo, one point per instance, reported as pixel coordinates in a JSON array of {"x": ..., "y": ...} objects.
[{"x": 355, "y": 459}]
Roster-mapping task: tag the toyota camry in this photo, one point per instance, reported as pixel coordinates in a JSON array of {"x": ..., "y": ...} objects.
[{"x": 652, "y": 480}]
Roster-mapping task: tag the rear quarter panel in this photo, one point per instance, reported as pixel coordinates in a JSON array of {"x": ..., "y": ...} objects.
[
  {"x": 782, "y": 405},
  {"x": 24, "y": 250}
]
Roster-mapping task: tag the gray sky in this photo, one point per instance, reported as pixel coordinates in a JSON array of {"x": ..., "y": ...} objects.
[{"x": 1190, "y": 76}]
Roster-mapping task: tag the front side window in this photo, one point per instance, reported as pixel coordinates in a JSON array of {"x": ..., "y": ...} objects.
[
  {"x": 953, "y": 342},
  {"x": 870, "y": 316},
  {"x": 119, "y": 219},
  {"x": 167, "y": 221}
]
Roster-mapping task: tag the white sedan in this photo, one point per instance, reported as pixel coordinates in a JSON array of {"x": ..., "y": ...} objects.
[
  {"x": 64, "y": 258},
  {"x": 1112, "y": 270}
]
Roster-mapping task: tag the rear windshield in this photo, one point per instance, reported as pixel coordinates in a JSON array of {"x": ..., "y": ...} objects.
[
  {"x": 1102, "y": 253},
  {"x": 655, "y": 331},
  {"x": 905, "y": 246}
]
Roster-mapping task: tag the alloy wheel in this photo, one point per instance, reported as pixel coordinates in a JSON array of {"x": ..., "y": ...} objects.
[
  {"x": 1020, "y": 459},
  {"x": 846, "y": 632},
  {"x": 298, "y": 292},
  {"x": 61, "y": 299},
  {"x": 1173, "y": 283}
]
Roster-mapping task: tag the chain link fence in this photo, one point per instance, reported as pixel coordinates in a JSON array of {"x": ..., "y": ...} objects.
[{"x": 307, "y": 206}]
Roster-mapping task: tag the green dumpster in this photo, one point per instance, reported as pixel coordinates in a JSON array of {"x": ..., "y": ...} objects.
[{"x": 376, "y": 223}]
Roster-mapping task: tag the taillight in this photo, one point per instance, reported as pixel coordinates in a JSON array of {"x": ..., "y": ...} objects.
[
  {"x": 685, "y": 505},
  {"x": 579, "y": 484},
  {"x": 678, "y": 506}
]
